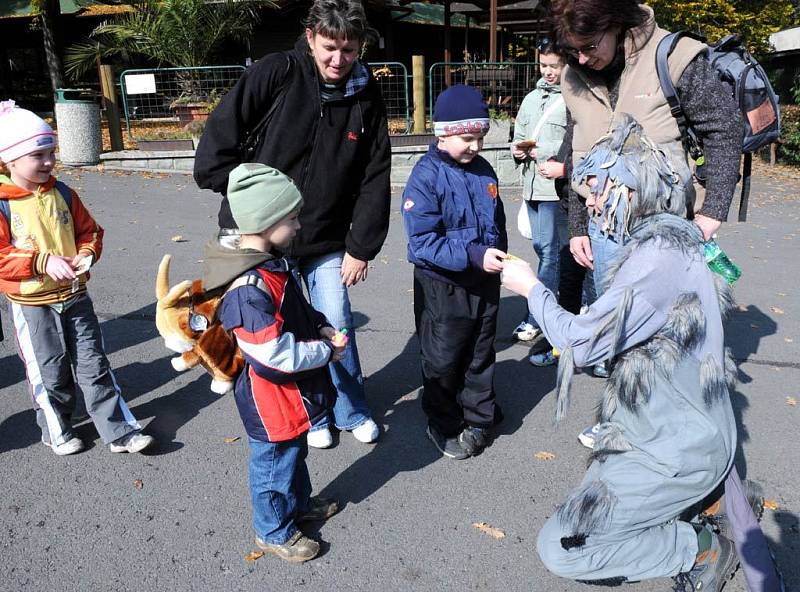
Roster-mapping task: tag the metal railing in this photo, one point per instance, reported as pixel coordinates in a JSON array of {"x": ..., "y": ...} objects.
[
  {"x": 392, "y": 78},
  {"x": 503, "y": 84},
  {"x": 159, "y": 103}
]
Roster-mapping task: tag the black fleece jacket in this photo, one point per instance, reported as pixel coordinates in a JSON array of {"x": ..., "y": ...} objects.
[{"x": 337, "y": 152}]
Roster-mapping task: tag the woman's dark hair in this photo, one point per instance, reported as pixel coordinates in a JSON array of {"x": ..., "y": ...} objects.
[
  {"x": 548, "y": 45},
  {"x": 590, "y": 18},
  {"x": 340, "y": 19}
]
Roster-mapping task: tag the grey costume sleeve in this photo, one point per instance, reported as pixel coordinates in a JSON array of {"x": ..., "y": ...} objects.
[
  {"x": 566, "y": 330},
  {"x": 712, "y": 111}
]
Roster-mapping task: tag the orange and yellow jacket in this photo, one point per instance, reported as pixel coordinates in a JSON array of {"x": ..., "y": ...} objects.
[{"x": 34, "y": 225}]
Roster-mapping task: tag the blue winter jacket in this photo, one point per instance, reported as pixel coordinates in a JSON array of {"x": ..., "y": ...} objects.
[{"x": 452, "y": 213}]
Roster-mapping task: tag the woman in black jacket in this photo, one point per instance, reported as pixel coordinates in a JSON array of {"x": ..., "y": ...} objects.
[{"x": 325, "y": 126}]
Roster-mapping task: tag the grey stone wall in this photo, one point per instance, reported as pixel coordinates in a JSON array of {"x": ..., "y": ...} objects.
[
  {"x": 403, "y": 161},
  {"x": 499, "y": 156}
]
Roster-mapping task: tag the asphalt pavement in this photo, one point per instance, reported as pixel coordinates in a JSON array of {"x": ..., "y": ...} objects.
[{"x": 178, "y": 519}]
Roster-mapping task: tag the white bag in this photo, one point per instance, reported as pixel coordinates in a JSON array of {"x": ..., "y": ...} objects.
[{"x": 524, "y": 221}]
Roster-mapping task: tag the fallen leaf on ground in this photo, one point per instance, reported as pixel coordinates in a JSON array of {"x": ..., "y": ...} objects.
[
  {"x": 770, "y": 504},
  {"x": 138, "y": 484},
  {"x": 776, "y": 310},
  {"x": 490, "y": 530},
  {"x": 254, "y": 555},
  {"x": 791, "y": 401},
  {"x": 231, "y": 440},
  {"x": 178, "y": 239},
  {"x": 543, "y": 455}
]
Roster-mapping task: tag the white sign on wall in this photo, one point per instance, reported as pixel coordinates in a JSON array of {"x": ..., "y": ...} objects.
[{"x": 140, "y": 84}]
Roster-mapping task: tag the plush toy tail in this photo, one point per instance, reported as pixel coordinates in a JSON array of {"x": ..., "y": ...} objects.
[{"x": 162, "y": 278}]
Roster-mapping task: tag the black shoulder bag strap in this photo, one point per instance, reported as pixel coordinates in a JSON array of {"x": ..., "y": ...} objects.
[
  {"x": 665, "y": 48},
  {"x": 255, "y": 137}
]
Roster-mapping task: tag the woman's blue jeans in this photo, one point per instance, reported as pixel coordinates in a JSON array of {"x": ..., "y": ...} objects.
[
  {"x": 279, "y": 486},
  {"x": 322, "y": 277},
  {"x": 604, "y": 249},
  {"x": 550, "y": 239}
]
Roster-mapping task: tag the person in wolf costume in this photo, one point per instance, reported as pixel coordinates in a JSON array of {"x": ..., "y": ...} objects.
[{"x": 667, "y": 434}]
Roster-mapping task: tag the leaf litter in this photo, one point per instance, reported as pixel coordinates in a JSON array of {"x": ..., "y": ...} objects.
[{"x": 493, "y": 532}]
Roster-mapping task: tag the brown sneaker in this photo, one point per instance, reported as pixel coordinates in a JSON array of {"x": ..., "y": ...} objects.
[
  {"x": 319, "y": 508},
  {"x": 297, "y": 549}
]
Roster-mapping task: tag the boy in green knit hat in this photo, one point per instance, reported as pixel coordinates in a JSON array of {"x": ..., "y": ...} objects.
[{"x": 287, "y": 345}]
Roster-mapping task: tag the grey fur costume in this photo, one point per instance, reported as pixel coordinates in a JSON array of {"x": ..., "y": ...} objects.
[{"x": 667, "y": 430}]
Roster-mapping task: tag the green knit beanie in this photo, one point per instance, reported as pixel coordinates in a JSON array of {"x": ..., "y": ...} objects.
[{"x": 260, "y": 196}]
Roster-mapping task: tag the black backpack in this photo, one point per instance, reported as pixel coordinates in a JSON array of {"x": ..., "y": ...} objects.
[{"x": 751, "y": 89}]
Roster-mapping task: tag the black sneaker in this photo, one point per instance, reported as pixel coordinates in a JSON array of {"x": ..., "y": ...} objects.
[
  {"x": 712, "y": 570},
  {"x": 716, "y": 515},
  {"x": 449, "y": 447},
  {"x": 473, "y": 440}
]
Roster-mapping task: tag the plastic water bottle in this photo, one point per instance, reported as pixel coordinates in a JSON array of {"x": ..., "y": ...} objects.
[{"x": 719, "y": 262}]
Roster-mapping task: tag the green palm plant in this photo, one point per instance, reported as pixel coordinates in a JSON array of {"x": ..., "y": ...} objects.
[{"x": 180, "y": 33}]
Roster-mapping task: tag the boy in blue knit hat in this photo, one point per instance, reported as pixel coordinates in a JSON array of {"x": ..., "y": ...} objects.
[{"x": 455, "y": 226}]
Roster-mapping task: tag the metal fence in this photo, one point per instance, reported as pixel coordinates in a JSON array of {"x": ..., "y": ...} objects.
[
  {"x": 392, "y": 78},
  {"x": 159, "y": 103},
  {"x": 503, "y": 84}
]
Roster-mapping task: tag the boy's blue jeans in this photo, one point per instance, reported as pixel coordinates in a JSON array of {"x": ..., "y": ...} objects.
[
  {"x": 279, "y": 486},
  {"x": 550, "y": 241},
  {"x": 322, "y": 276}
]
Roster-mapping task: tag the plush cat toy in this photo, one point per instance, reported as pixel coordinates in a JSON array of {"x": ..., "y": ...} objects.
[{"x": 186, "y": 319}]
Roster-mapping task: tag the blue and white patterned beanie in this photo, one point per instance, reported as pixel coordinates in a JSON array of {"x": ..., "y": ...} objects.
[{"x": 459, "y": 110}]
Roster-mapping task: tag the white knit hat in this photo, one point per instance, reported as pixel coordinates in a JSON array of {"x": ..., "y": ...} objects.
[{"x": 22, "y": 132}]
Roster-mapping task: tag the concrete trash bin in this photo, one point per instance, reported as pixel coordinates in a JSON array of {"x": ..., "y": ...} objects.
[{"x": 78, "y": 121}]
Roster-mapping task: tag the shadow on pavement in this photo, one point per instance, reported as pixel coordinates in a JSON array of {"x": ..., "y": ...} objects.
[
  {"x": 787, "y": 548},
  {"x": 394, "y": 395},
  {"x": 744, "y": 332}
]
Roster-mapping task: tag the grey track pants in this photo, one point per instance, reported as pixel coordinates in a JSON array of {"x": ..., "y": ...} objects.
[{"x": 60, "y": 349}]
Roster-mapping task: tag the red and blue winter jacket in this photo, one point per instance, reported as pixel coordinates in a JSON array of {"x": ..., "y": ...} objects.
[{"x": 285, "y": 385}]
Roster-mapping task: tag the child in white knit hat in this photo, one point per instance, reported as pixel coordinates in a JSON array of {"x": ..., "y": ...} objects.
[{"x": 48, "y": 241}]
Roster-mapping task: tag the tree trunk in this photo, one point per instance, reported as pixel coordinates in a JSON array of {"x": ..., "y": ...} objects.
[{"x": 51, "y": 10}]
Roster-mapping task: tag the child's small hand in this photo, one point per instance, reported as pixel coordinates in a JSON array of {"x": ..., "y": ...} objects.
[
  {"x": 338, "y": 352},
  {"x": 327, "y": 333},
  {"x": 79, "y": 262},
  {"x": 493, "y": 260},
  {"x": 59, "y": 268}
]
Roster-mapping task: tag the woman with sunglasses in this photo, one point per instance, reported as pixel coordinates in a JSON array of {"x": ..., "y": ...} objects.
[{"x": 610, "y": 47}]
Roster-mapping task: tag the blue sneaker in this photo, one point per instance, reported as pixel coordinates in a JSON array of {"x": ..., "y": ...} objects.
[{"x": 545, "y": 358}]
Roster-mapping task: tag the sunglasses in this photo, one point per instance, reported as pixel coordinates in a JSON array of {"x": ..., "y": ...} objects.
[{"x": 586, "y": 49}]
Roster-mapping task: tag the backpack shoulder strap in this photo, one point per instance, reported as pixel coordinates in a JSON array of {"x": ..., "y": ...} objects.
[
  {"x": 60, "y": 186},
  {"x": 276, "y": 101},
  {"x": 248, "y": 280},
  {"x": 665, "y": 48},
  {"x": 65, "y": 192}
]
